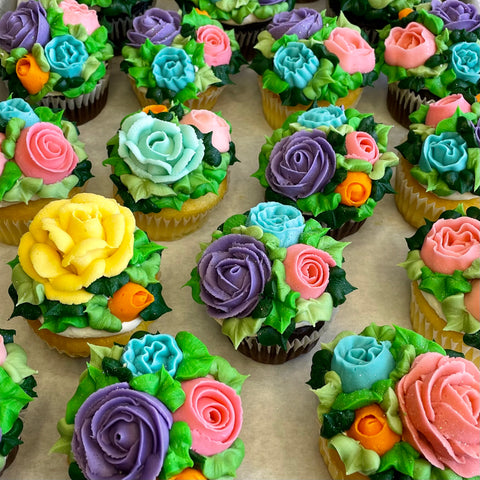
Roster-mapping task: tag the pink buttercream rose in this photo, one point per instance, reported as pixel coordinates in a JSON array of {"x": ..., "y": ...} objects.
[
  {"x": 43, "y": 152},
  {"x": 361, "y": 145},
  {"x": 307, "y": 270},
  {"x": 354, "y": 53},
  {"x": 207, "y": 121},
  {"x": 439, "y": 401},
  {"x": 217, "y": 49},
  {"x": 472, "y": 300},
  {"x": 3, "y": 158},
  {"x": 75, "y": 13},
  {"x": 451, "y": 244},
  {"x": 213, "y": 411},
  {"x": 446, "y": 107},
  {"x": 3, "y": 351},
  {"x": 409, "y": 47}
]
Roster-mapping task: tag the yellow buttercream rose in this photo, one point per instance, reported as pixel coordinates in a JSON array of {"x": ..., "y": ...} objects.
[{"x": 71, "y": 243}]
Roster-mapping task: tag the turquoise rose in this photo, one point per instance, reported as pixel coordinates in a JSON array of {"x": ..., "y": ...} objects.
[
  {"x": 18, "y": 108},
  {"x": 172, "y": 68},
  {"x": 66, "y": 56},
  {"x": 296, "y": 64},
  {"x": 150, "y": 353},
  {"x": 331, "y": 116},
  {"x": 160, "y": 151},
  {"x": 466, "y": 61},
  {"x": 284, "y": 221},
  {"x": 362, "y": 361},
  {"x": 446, "y": 152}
]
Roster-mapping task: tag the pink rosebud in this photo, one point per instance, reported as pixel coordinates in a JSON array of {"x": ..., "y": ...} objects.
[
  {"x": 3, "y": 351},
  {"x": 3, "y": 158},
  {"x": 446, "y": 107},
  {"x": 217, "y": 49},
  {"x": 472, "y": 300},
  {"x": 361, "y": 145},
  {"x": 75, "y": 13}
]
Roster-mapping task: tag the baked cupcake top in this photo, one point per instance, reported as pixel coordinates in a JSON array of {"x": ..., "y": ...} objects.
[
  {"x": 170, "y": 392},
  {"x": 444, "y": 260},
  {"x": 85, "y": 270},
  {"x": 384, "y": 406},
  {"x": 204, "y": 53},
  {"x": 41, "y": 155},
  {"x": 150, "y": 175},
  {"x": 345, "y": 168},
  {"x": 443, "y": 146},
  {"x": 16, "y": 392},
  {"x": 52, "y": 45},
  {"x": 267, "y": 271},
  {"x": 324, "y": 60},
  {"x": 427, "y": 51}
]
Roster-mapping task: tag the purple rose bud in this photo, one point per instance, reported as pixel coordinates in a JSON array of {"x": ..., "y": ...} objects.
[
  {"x": 24, "y": 27},
  {"x": 269, "y": 2},
  {"x": 233, "y": 272},
  {"x": 303, "y": 22},
  {"x": 476, "y": 129},
  {"x": 159, "y": 26},
  {"x": 121, "y": 433},
  {"x": 301, "y": 164},
  {"x": 457, "y": 15}
]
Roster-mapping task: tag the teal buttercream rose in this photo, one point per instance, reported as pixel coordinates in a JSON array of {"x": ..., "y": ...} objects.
[
  {"x": 18, "y": 108},
  {"x": 361, "y": 361},
  {"x": 149, "y": 353},
  {"x": 66, "y": 55},
  {"x": 331, "y": 116},
  {"x": 466, "y": 61},
  {"x": 446, "y": 152},
  {"x": 160, "y": 151},
  {"x": 173, "y": 69},
  {"x": 296, "y": 64}
]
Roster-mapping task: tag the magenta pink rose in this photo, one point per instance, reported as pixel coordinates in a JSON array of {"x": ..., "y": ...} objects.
[
  {"x": 439, "y": 400},
  {"x": 43, "y": 152},
  {"x": 446, "y": 107},
  {"x": 361, "y": 145},
  {"x": 409, "y": 47},
  {"x": 307, "y": 270},
  {"x": 451, "y": 244},
  {"x": 75, "y": 13},
  {"x": 217, "y": 49}
]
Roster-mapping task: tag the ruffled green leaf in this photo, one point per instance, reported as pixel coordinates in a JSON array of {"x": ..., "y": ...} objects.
[
  {"x": 197, "y": 362},
  {"x": 225, "y": 373},
  {"x": 413, "y": 265},
  {"x": 336, "y": 421},
  {"x": 458, "y": 318},
  {"x": 143, "y": 248},
  {"x": 328, "y": 393},
  {"x": 107, "y": 286},
  {"x": 98, "y": 353},
  {"x": 363, "y": 397},
  {"x": 64, "y": 444},
  {"x": 146, "y": 273},
  {"x": 28, "y": 290},
  {"x": 224, "y": 464},
  {"x": 318, "y": 203},
  {"x": 321, "y": 364},
  {"x": 401, "y": 457},
  {"x": 100, "y": 317},
  {"x": 314, "y": 310},
  {"x": 11, "y": 173},
  {"x": 158, "y": 307},
  {"x": 441, "y": 285},
  {"x": 16, "y": 363},
  {"x": 381, "y": 333},
  {"x": 178, "y": 453},
  {"x": 236, "y": 329},
  {"x": 389, "y": 405},
  {"x": 141, "y": 188}
]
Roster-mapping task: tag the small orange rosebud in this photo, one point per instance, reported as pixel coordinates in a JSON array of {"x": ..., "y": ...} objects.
[
  {"x": 30, "y": 75},
  {"x": 127, "y": 302},
  {"x": 404, "y": 13},
  {"x": 155, "y": 108},
  {"x": 201, "y": 12},
  {"x": 477, "y": 97},
  {"x": 189, "y": 474},
  {"x": 355, "y": 189}
]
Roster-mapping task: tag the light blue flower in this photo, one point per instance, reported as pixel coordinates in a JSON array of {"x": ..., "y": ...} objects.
[
  {"x": 446, "y": 152},
  {"x": 173, "y": 69},
  {"x": 18, "y": 108},
  {"x": 466, "y": 61},
  {"x": 66, "y": 56},
  {"x": 331, "y": 116}
]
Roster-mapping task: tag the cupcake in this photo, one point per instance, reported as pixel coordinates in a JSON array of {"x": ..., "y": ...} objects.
[
  {"x": 54, "y": 54},
  {"x": 306, "y": 58},
  {"x": 330, "y": 163},
  {"x": 393, "y": 404},
  {"x": 271, "y": 280},
  {"x": 439, "y": 165},
  {"x": 203, "y": 53},
  {"x": 158, "y": 407},
  {"x": 171, "y": 190},
  {"x": 41, "y": 159},
  {"x": 84, "y": 274},
  {"x": 427, "y": 57},
  {"x": 16, "y": 392},
  {"x": 442, "y": 264}
]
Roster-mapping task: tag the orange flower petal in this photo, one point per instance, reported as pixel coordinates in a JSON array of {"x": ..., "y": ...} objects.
[
  {"x": 404, "y": 12},
  {"x": 30, "y": 75},
  {"x": 189, "y": 474},
  {"x": 201, "y": 12},
  {"x": 127, "y": 302},
  {"x": 155, "y": 108},
  {"x": 355, "y": 189}
]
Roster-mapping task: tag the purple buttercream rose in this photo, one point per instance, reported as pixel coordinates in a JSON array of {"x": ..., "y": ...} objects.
[
  {"x": 24, "y": 27},
  {"x": 159, "y": 26},
  {"x": 233, "y": 272},
  {"x": 301, "y": 164},
  {"x": 121, "y": 434},
  {"x": 269, "y": 2},
  {"x": 457, "y": 15},
  {"x": 303, "y": 22}
]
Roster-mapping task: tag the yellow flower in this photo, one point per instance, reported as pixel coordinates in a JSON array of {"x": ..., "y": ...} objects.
[{"x": 71, "y": 243}]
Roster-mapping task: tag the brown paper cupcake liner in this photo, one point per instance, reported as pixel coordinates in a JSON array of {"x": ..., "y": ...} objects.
[
  {"x": 246, "y": 36},
  {"x": 10, "y": 458},
  {"x": 348, "y": 228}
]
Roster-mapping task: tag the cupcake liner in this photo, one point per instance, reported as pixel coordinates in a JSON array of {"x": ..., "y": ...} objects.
[
  {"x": 10, "y": 458},
  {"x": 348, "y": 228},
  {"x": 246, "y": 36}
]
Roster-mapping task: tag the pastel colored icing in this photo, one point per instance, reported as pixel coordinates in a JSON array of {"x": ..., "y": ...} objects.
[
  {"x": 472, "y": 299},
  {"x": 79, "y": 14},
  {"x": 3, "y": 351},
  {"x": 303, "y": 22},
  {"x": 446, "y": 107},
  {"x": 361, "y": 145},
  {"x": 3, "y": 158},
  {"x": 18, "y": 108},
  {"x": 217, "y": 50}
]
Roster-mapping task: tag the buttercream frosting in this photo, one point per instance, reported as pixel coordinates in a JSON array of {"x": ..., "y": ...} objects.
[
  {"x": 446, "y": 107},
  {"x": 75, "y": 13}
]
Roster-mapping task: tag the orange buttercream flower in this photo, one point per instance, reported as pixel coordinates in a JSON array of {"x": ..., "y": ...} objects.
[
  {"x": 355, "y": 189},
  {"x": 404, "y": 13},
  {"x": 155, "y": 108},
  {"x": 477, "y": 97},
  {"x": 189, "y": 474},
  {"x": 127, "y": 302},
  {"x": 201, "y": 12},
  {"x": 371, "y": 429},
  {"x": 30, "y": 74}
]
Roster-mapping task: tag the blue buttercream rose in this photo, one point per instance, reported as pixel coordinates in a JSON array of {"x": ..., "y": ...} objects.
[
  {"x": 18, "y": 108},
  {"x": 149, "y": 353},
  {"x": 173, "y": 69},
  {"x": 296, "y": 64},
  {"x": 284, "y": 221},
  {"x": 446, "y": 152},
  {"x": 466, "y": 61},
  {"x": 66, "y": 55},
  {"x": 331, "y": 116},
  {"x": 362, "y": 361}
]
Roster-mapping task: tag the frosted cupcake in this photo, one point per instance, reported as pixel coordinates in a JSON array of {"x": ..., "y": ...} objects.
[
  {"x": 332, "y": 164},
  {"x": 443, "y": 266},
  {"x": 84, "y": 274},
  {"x": 171, "y": 190},
  {"x": 308, "y": 58},
  {"x": 439, "y": 165},
  {"x": 384, "y": 409},
  {"x": 41, "y": 159},
  {"x": 54, "y": 53},
  {"x": 169, "y": 392},
  {"x": 271, "y": 280}
]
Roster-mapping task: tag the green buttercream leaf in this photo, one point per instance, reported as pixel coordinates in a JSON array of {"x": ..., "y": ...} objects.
[
  {"x": 12, "y": 400},
  {"x": 387, "y": 159},
  {"x": 194, "y": 284},
  {"x": 405, "y": 355},
  {"x": 100, "y": 317},
  {"x": 389, "y": 405},
  {"x": 328, "y": 393},
  {"x": 236, "y": 329},
  {"x": 314, "y": 310},
  {"x": 381, "y": 333},
  {"x": 224, "y": 465},
  {"x": 12, "y": 132},
  {"x": 141, "y": 188},
  {"x": 60, "y": 189},
  {"x": 473, "y": 271},
  {"x": 143, "y": 248},
  {"x": 354, "y": 164},
  {"x": 225, "y": 373},
  {"x": 23, "y": 190},
  {"x": 158, "y": 307},
  {"x": 318, "y": 203},
  {"x": 107, "y": 286},
  {"x": 16, "y": 363},
  {"x": 11, "y": 173},
  {"x": 321, "y": 364},
  {"x": 264, "y": 44},
  {"x": 98, "y": 353},
  {"x": 11, "y": 439},
  {"x": 28, "y": 290},
  {"x": 282, "y": 312},
  {"x": 363, "y": 397},
  {"x": 331, "y": 345},
  {"x": 409, "y": 338},
  {"x": 338, "y": 286},
  {"x": 473, "y": 163},
  {"x": 431, "y": 180},
  {"x": 336, "y": 421},
  {"x": 64, "y": 444},
  {"x": 441, "y": 285},
  {"x": 459, "y": 319},
  {"x": 413, "y": 265},
  {"x": 332, "y": 247},
  {"x": 178, "y": 453},
  {"x": 196, "y": 362},
  {"x": 401, "y": 457},
  {"x": 422, "y": 470},
  {"x": 146, "y": 273},
  {"x": 272, "y": 82}
]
